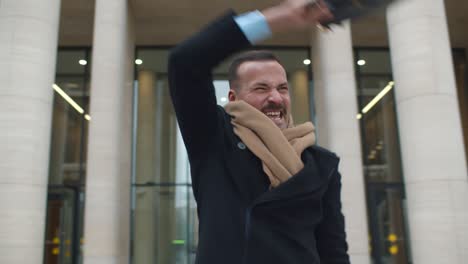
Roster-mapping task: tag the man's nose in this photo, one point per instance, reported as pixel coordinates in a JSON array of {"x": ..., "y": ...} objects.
[{"x": 275, "y": 97}]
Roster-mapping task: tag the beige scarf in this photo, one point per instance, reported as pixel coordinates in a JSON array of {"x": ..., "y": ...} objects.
[{"x": 279, "y": 150}]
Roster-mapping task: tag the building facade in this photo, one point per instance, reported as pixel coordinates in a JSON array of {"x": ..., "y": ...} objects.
[{"x": 93, "y": 168}]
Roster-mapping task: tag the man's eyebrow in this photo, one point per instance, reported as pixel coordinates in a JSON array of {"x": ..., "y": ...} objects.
[{"x": 261, "y": 83}]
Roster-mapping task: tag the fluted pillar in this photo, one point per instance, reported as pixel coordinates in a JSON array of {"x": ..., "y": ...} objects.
[
  {"x": 433, "y": 157},
  {"x": 338, "y": 130},
  {"x": 28, "y": 48},
  {"x": 107, "y": 204}
]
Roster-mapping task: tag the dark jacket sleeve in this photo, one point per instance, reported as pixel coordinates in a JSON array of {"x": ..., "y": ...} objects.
[
  {"x": 191, "y": 84},
  {"x": 330, "y": 234}
]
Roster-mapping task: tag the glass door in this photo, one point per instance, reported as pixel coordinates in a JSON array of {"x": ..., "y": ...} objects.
[
  {"x": 61, "y": 242},
  {"x": 381, "y": 157},
  {"x": 386, "y": 203}
]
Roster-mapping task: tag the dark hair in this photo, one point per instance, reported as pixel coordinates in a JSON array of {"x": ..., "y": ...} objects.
[{"x": 253, "y": 55}]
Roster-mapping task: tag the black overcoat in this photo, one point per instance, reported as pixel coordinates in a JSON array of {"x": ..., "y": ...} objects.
[{"x": 240, "y": 219}]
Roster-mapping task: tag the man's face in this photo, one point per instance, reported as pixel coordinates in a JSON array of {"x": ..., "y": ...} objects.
[{"x": 263, "y": 85}]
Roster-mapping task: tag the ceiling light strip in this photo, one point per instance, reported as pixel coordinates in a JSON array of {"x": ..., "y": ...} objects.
[
  {"x": 378, "y": 97},
  {"x": 70, "y": 101}
]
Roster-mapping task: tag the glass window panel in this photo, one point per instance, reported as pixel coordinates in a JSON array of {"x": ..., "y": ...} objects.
[
  {"x": 381, "y": 158},
  {"x": 379, "y": 130},
  {"x": 371, "y": 85},
  {"x": 154, "y": 60},
  {"x": 69, "y": 137},
  {"x": 67, "y": 157},
  {"x": 461, "y": 74},
  {"x": 193, "y": 228},
  {"x": 158, "y": 151},
  {"x": 73, "y": 85},
  {"x": 68, "y": 61},
  {"x": 163, "y": 224},
  {"x": 388, "y": 243},
  {"x": 376, "y": 62},
  {"x": 59, "y": 226},
  {"x": 380, "y": 136}
]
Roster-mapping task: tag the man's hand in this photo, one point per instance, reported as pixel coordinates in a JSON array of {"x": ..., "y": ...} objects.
[{"x": 296, "y": 14}]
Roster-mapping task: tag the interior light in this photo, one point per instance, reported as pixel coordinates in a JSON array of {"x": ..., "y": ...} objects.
[
  {"x": 392, "y": 238},
  {"x": 71, "y": 85},
  {"x": 378, "y": 97},
  {"x": 138, "y": 61},
  {"x": 223, "y": 99},
  {"x": 178, "y": 242},
  {"x": 68, "y": 98},
  {"x": 82, "y": 62},
  {"x": 70, "y": 101},
  {"x": 361, "y": 62},
  {"x": 359, "y": 116},
  {"x": 393, "y": 249},
  {"x": 306, "y": 62}
]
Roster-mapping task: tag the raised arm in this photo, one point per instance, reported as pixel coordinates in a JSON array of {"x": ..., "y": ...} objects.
[
  {"x": 191, "y": 63},
  {"x": 190, "y": 79}
]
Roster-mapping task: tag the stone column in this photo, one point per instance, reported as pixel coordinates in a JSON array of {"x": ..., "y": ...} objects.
[
  {"x": 107, "y": 206},
  {"x": 338, "y": 129},
  {"x": 28, "y": 48},
  {"x": 431, "y": 140}
]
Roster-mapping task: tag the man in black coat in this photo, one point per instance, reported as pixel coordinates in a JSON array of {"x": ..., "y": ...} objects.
[{"x": 243, "y": 216}]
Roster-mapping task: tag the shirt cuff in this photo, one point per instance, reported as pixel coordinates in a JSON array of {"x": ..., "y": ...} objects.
[{"x": 254, "y": 26}]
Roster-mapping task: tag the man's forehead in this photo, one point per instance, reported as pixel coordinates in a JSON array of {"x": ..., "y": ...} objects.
[{"x": 258, "y": 67}]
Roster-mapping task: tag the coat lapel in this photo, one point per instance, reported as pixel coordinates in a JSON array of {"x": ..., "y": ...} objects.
[{"x": 240, "y": 163}]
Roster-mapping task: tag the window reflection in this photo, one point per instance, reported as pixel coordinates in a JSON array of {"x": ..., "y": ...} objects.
[
  {"x": 161, "y": 224},
  {"x": 381, "y": 158},
  {"x": 387, "y": 224},
  {"x": 68, "y": 139},
  {"x": 461, "y": 75},
  {"x": 65, "y": 203}
]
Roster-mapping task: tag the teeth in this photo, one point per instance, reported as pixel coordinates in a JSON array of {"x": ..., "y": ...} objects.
[{"x": 273, "y": 114}]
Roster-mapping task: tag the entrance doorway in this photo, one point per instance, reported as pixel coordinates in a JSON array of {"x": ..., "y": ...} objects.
[
  {"x": 387, "y": 225},
  {"x": 62, "y": 242}
]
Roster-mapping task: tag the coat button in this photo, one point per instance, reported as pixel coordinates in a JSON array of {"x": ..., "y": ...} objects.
[{"x": 241, "y": 145}]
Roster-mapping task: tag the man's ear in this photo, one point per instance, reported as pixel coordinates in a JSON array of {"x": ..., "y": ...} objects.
[{"x": 232, "y": 95}]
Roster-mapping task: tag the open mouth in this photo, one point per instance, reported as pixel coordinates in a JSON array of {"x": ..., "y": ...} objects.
[{"x": 276, "y": 116}]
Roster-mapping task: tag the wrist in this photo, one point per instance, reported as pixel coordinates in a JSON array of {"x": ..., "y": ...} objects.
[
  {"x": 275, "y": 18},
  {"x": 294, "y": 15}
]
